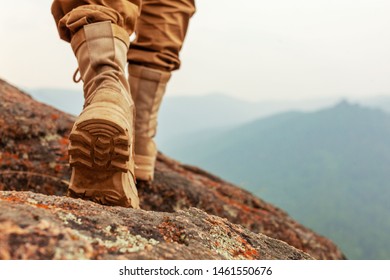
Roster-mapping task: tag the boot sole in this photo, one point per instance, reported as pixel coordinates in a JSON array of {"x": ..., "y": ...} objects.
[{"x": 99, "y": 153}]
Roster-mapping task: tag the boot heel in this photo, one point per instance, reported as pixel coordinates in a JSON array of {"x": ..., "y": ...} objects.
[{"x": 144, "y": 167}]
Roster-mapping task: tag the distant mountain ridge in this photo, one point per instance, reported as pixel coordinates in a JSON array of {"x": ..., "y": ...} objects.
[
  {"x": 333, "y": 164},
  {"x": 180, "y": 116},
  {"x": 183, "y": 115},
  {"x": 380, "y": 101}
]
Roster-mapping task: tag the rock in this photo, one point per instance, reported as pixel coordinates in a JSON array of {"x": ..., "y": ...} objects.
[
  {"x": 36, "y": 226},
  {"x": 33, "y": 157}
]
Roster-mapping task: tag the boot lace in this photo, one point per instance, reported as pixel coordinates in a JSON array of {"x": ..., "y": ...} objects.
[{"x": 75, "y": 78}]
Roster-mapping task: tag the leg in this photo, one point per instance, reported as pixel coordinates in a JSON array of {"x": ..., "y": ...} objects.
[
  {"x": 101, "y": 141},
  {"x": 71, "y": 15},
  {"x": 160, "y": 31}
]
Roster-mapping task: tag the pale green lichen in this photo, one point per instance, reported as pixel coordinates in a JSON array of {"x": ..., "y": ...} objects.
[
  {"x": 50, "y": 137},
  {"x": 117, "y": 237},
  {"x": 124, "y": 241},
  {"x": 66, "y": 217},
  {"x": 232, "y": 212},
  {"x": 224, "y": 244},
  {"x": 32, "y": 201}
]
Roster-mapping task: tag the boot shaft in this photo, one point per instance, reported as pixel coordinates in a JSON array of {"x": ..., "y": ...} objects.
[
  {"x": 147, "y": 90},
  {"x": 101, "y": 50}
]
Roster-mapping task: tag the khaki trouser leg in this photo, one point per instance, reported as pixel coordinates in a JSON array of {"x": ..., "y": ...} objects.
[
  {"x": 161, "y": 30},
  {"x": 71, "y": 15}
]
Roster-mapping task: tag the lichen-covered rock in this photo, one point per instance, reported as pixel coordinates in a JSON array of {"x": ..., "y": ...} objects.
[
  {"x": 34, "y": 158},
  {"x": 33, "y": 143},
  {"x": 36, "y": 226}
]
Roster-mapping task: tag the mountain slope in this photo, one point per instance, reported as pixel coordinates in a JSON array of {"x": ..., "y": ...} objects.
[
  {"x": 329, "y": 169},
  {"x": 33, "y": 157}
]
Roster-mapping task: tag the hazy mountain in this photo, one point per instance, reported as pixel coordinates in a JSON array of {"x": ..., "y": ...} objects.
[
  {"x": 69, "y": 101},
  {"x": 334, "y": 162},
  {"x": 380, "y": 101},
  {"x": 182, "y": 115}
]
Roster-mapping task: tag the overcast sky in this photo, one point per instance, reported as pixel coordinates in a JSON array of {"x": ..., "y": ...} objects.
[{"x": 253, "y": 49}]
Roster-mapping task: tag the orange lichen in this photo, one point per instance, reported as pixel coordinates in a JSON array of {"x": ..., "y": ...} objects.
[
  {"x": 42, "y": 206},
  {"x": 64, "y": 141},
  {"x": 54, "y": 117},
  {"x": 58, "y": 168},
  {"x": 11, "y": 199},
  {"x": 248, "y": 252},
  {"x": 7, "y": 156},
  {"x": 172, "y": 233}
]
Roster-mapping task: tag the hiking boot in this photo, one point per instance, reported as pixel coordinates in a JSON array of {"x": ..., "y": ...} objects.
[
  {"x": 147, "y": 89},
  {"x": 101, "y": 141}
]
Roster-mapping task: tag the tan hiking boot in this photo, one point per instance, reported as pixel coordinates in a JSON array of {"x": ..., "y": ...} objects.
[
  {"x": 147, "y": 89},
  {"x": 101, "y": 141}
]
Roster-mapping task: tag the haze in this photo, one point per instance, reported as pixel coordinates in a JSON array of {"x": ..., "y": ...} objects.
[{"x": 253, "y": 49}]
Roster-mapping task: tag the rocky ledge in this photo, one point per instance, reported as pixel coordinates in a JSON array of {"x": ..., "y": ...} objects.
[{"x": 36, "y": 226}]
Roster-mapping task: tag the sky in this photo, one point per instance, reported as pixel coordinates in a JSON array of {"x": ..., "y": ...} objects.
[{"x": 252, "y": 49}]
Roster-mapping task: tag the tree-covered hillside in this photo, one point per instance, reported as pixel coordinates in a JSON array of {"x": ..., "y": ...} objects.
[{"x": 329, "y": 169}]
